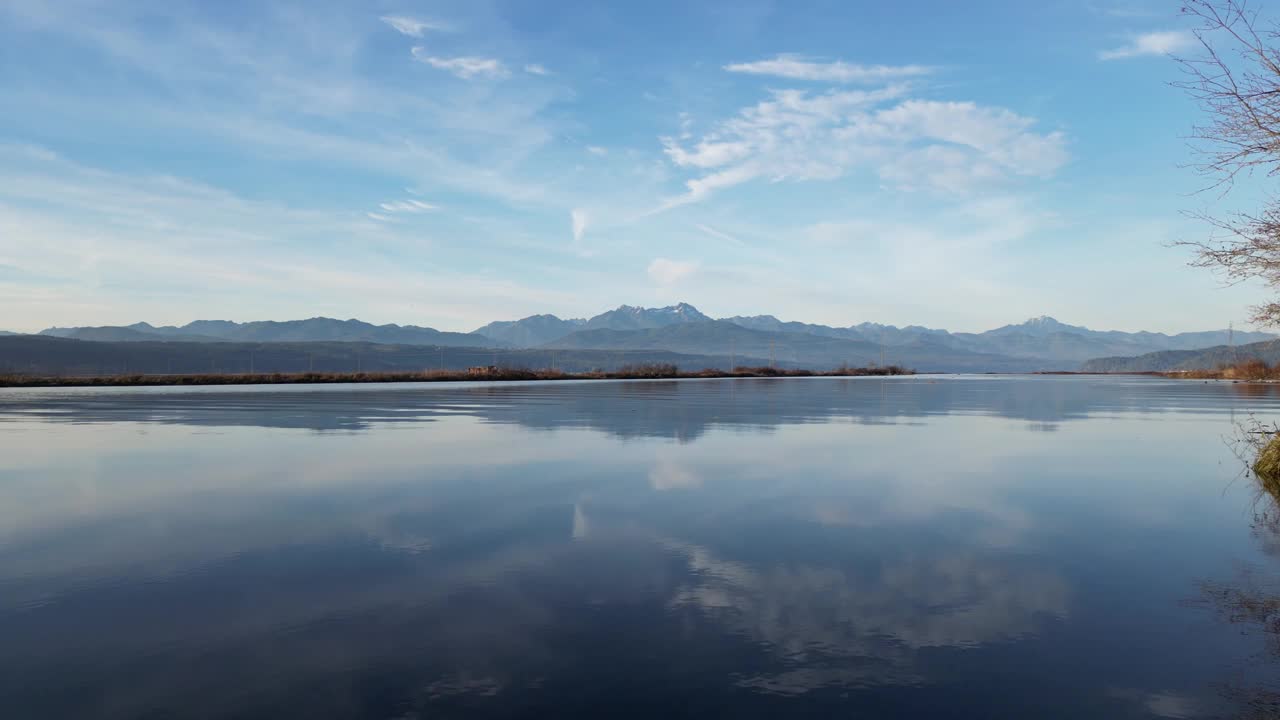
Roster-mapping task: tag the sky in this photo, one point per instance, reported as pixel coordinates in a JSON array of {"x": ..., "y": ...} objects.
[{"x": 442, "y": 163}]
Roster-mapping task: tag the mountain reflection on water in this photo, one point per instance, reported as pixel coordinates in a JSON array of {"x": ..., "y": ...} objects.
[
  {"x": 874, "y": 548},
  {"x": 683, "y": 409}
]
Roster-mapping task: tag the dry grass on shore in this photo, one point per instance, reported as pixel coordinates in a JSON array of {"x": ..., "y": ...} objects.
[
  {"x": 657, "y": 371},
  {"x": 1250, "y": 370}
]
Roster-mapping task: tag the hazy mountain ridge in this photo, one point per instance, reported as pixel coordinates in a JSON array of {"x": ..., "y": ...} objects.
[
  {"x": 1040, "y": 343},
  {"x": 727, "y": 339},
  {"x": 531, "y": 331},
  {"x": 318, "y": 329}
]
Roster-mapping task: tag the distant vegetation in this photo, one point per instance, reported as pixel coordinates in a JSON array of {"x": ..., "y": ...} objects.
[
  {"x": 48, "y": 356},
  {"x": 482, "y": 373},
  {"x": 1189, "y": 360}
]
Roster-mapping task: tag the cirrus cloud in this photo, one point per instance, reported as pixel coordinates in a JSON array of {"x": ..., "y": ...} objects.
[
  {"x": 465, "y": 67},
  {"x": 408, "y": 206},
  {"x": 796, "y": 67},
  {"x": 414, "y": 27}
]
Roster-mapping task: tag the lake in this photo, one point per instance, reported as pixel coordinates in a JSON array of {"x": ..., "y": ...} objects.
[{"x": 915, "y": 547}]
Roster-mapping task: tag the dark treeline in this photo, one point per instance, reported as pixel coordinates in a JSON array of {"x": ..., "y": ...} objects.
[
  {"x": 31, "y": 360},
  {"x": 53, "y": 357},
  {"x": 489, "y": 374}
]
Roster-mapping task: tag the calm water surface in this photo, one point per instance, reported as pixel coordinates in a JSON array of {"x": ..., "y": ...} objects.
[{"x": 870, "y": 548}]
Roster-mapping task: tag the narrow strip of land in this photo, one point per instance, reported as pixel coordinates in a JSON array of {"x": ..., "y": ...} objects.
[
  {"x": 1247, "y": 371},
  {"x": 485, "y": 374}
]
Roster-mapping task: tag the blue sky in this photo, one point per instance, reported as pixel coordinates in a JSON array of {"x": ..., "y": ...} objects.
[{"x": 958, "y": 165}]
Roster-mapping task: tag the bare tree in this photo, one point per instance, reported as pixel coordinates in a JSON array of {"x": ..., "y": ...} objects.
[{"x": 1236, "y": 81}]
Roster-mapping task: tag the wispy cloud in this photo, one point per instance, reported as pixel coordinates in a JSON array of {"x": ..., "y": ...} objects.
[
  {"x": 466, "y": 67},
  {"x": 578, "y": 220},
  {"x": 254, "y": 98},
  {"x": 536, "y": 69},
  {"x": 127, "y": 247},
  {"x": 912, "y": 143},
  {"x": 597, "y": 150},
  {"x": 669, "y": 272},
  {"x": 796, "y": 67},
  {"x": 718, "y": 234},
  {"x": 414, "y": 27},
  {"x": 408, "y": 206},
  {"x": 1153, "y": 43}
]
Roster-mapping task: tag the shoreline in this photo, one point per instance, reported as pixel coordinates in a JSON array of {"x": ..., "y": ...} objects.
[{"x": 487, "y": 375}]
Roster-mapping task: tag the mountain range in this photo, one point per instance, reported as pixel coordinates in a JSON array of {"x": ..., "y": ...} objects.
[
  {"x": 317, "y": 329},
  {"x": 1041, "y": 343}
]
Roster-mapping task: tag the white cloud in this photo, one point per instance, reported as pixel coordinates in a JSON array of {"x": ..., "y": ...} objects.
[
  {"x": 466, "y": 67},
  {"x": 597, "y": 150},
  {"x": 706, "y": 154},
  {"x": 378, "y": 217},
  {"x": 536, "y": 69},
  {"x": 1152, "y": 43},
  {"x": 414, "y": 27},
  {"x": 669, "y": 272},
  {"x": 408, "y": 206},
  {"x": 579, "y": 220},
  {"x": 719, "y": 235},
  {"x": 797, "y": 135},
  {"x": 795, "y": 67}
]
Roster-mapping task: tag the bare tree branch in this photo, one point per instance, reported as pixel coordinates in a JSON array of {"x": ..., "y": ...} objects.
[{"x": 1236, "y": 81}]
